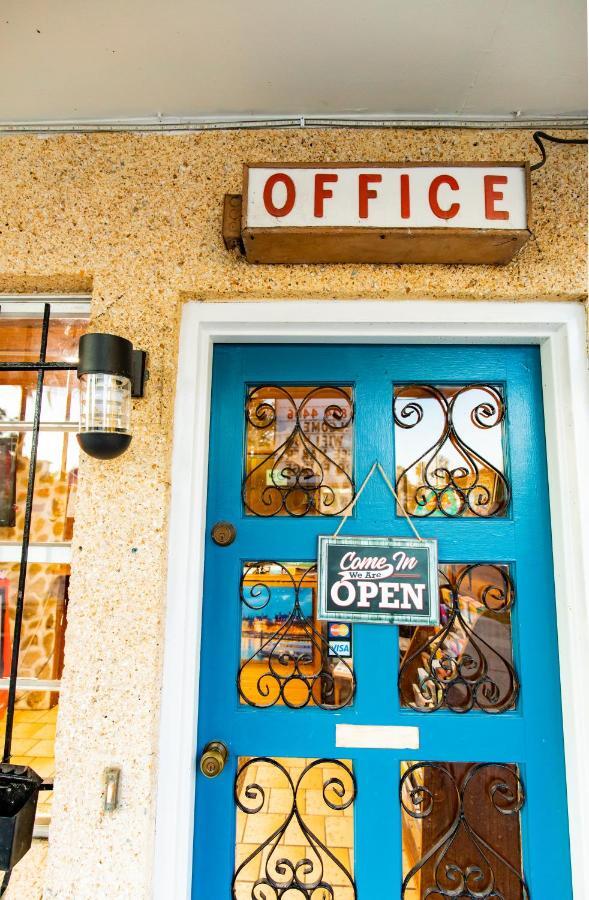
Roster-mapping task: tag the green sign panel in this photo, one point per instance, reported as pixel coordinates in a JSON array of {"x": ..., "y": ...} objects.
[{"x": 378, "y": 579}]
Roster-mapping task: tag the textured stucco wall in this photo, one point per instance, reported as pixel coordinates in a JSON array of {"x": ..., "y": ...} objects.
[{"x": 137, "y": 220}]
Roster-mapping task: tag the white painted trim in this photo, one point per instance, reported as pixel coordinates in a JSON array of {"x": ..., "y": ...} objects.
[
  {"x": 26, "y": 427},
  {"x": 560, "y": 330},
  {"x": 67, "y": 306},
  {"x": 175, "y": 798},
  {"x": 32, "y": 684},
  {"x": 377, "y": 737},
  {"x": 10, "y": 552}
]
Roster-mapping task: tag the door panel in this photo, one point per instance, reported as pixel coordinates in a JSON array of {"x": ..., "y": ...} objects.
[
  {"x": 305, "y": 809},
  {"x": 528, "y": 736}
]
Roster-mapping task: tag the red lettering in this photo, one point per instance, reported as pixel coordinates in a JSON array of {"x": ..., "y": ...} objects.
[
  {"x": 321, "y": 193},
  {"x": 286, "y": 180},
  {"x": 433, "y": 197},
  {"x": 492, "y": 196},
  {"x": 365, "y": 193},
  {"x": 405, "y": 198}
]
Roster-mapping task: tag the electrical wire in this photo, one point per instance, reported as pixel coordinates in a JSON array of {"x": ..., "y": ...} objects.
[{"x": 540, "y": 136}]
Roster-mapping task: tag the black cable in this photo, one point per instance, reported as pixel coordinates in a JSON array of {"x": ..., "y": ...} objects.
[
  {"x": 539, "y": 136},
  {"x": 5, "y": 881}
]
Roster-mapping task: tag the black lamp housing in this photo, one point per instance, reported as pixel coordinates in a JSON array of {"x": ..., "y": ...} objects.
[
  {"x": 19, "y": 792},
  {"x": 111, "y": 372}
]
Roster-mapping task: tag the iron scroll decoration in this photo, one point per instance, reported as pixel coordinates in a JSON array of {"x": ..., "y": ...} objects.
[
  {"x": 464, "y": 489},
  {"x": 443, "y": 875},
  {"x": 293, "y": 680},
  {"x": 459, "y": 684},
  {"x": 297, "y": 488},
  {"x": 305, "y": 878}
]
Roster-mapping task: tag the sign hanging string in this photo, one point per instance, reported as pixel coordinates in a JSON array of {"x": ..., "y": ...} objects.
[{"x": 347, "y": 513}]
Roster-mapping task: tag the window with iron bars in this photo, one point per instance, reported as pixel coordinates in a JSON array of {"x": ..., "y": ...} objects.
[{"x": 38, "y": 481}]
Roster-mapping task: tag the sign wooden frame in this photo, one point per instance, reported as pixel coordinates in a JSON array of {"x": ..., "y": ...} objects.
[
  {"x": 366, "y": 244},
  {"x": 349, "y": 614}
]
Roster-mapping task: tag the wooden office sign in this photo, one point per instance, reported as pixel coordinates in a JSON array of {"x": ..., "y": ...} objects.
[
  {"x": 472, "y": 213},
  {"x": 386, "y": 580}
]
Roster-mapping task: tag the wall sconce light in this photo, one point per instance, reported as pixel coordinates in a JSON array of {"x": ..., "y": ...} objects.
[{"x": 111, "y": 372}]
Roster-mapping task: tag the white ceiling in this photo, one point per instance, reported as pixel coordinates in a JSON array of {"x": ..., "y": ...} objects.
[{"x": 121, "y": 59}]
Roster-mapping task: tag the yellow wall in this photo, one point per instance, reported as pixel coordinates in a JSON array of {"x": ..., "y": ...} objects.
[{"x": 137, "y": 220}]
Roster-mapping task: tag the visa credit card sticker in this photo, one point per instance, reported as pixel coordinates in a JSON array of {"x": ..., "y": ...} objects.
[{"x": 340, "y": 648}]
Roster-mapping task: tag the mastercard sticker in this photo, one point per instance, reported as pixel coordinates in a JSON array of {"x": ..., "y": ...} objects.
[{"x": 338, "y": 630}]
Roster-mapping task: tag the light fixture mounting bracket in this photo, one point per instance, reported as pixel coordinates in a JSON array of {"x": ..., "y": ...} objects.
[{"x": 139, "y": 373}]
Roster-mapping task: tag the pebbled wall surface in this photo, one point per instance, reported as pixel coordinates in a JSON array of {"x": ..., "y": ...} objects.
[{"x": 136, "y": 221}]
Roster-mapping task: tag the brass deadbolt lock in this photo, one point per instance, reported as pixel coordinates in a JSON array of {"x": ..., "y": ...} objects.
[
  {"x": 223, "y": 533},
  {"x": 213, "y": 759}
]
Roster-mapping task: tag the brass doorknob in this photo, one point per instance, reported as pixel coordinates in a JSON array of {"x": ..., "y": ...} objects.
[{"x": 213, "y": 759}]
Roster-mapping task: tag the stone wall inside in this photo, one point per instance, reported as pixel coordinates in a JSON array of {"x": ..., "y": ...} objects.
[{"x": 136, "y": 220}]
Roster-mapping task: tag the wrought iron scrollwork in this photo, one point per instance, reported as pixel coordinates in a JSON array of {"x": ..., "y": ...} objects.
[
  {"x": 295, "y": 679},
  {"x": 436, "y": 675},
  {"x": 292, "y": 478},
  {"x": 457, "y": 861},
  {"x": 279, "y": 876},
  {"x": 470, "y": 484}
]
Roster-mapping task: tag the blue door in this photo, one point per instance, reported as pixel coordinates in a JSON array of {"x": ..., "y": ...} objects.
[{"x": 478, "y": 809}]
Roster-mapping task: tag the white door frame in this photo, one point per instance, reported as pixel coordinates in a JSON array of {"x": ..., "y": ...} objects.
[{"x": 559, "y": 329}]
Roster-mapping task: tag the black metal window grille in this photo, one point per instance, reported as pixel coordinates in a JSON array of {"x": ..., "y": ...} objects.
[{"x": 40, "y": 366}]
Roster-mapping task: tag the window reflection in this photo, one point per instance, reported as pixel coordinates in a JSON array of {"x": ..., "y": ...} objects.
[
  {"x": 44, "y": 618},
  {"x": 20, "y": 341},
  {"x": 461, "y": 830},
  {"x": 57, "y": 455},
  {"x": 288, "y": 657},
  {"x": 449, "y": 450},
  {"x": 288, "y": 812},
  {"x": 56, "y": 482},
  {"x": 46, "y": 590},
  {"x": 33, "y": 739},
  {"x": 298, "y": 450},
  {"x": 466, "y": 662}
]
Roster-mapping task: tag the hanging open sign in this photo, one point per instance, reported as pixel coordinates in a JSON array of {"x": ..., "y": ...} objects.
[{"x": 389, "y": 580}]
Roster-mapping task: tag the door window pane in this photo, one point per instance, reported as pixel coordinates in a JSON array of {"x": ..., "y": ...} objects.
[
  {"x": 461, "y": 831},
  {"x": 287, "y": 656},
  {"x": 466, "y": 662},
  {"x": 294, "y": 829},
  {"x": 298, "y": 450},
  {"x": 449, "y": 448}
]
